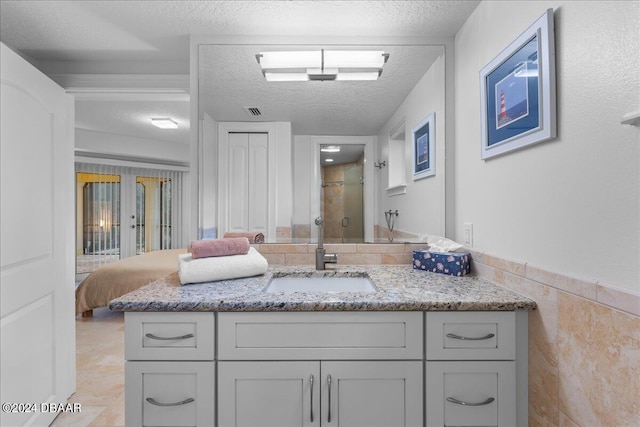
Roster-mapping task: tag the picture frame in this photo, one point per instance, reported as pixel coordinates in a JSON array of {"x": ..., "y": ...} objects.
[
  {"x": 518, "y": 92},
  {"x": 423, "y": 139}
]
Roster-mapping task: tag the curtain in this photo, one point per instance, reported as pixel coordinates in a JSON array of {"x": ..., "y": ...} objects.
[{"x": 123, "y": 211}]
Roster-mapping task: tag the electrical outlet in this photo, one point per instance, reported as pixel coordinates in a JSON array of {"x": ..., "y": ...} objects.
[{"x": 468, "y": 234}]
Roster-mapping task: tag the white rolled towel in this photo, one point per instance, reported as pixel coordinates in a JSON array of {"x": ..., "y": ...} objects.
[{"x": 201, "y": 270}]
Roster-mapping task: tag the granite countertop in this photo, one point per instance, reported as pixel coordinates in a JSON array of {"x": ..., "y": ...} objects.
[{"x": 399, "y": 287}]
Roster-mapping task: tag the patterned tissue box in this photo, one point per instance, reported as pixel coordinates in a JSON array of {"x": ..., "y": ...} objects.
[{"x": 452, "y": 263}]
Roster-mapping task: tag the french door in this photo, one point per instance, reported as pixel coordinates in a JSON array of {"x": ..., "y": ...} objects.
[{"x": 124, "y": 211}]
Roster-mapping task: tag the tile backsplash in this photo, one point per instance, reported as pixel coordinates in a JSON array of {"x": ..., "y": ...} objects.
[
  {"x": 348, "y": 253},
  {"x": 584, "y": 345}
]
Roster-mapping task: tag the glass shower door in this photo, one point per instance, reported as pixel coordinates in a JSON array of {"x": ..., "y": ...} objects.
[{"x": 353, "y": 220}]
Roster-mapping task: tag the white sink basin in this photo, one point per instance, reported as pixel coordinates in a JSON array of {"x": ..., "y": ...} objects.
[{"x": 320, "y": 284}]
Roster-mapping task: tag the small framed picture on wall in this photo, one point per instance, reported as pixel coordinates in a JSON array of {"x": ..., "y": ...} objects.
[
  {"x": 518, "y": 92},
  {"x": 424, "y": 138}
]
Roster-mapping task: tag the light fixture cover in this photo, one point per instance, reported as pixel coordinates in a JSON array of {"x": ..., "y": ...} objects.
[
  {"x": 164, "y": 123},
  {"x": 284, "y": 60},
  {"x": 330, "y": 148},
  {"x": 354, "y": 59},
  {"x": 322, "y": 65}
]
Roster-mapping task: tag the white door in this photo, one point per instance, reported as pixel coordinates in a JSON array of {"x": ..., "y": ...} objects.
[
  {"x": 248, "y": 183},
  {"x": 37, "y": 329}
]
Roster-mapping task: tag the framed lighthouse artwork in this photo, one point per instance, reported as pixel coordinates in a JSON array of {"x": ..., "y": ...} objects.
[
  {"x": 518, "y": 92},
  {"x": 424, "y": 139}
]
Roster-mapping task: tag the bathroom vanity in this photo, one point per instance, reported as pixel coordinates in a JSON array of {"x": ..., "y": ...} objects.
[{"x": 421, "y": 349}]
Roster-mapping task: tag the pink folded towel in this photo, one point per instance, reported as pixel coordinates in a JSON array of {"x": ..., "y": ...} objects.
[
  {"x": 253, "y": 237},
  {"x": 220, "y": 247}
]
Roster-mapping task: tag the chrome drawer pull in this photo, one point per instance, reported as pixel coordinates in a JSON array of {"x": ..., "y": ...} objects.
[
  {"x": 184, "y": 402},
  {"x": 329, "y": 387},
  {"x": 459, "y": 337},
  {"x": 182, "y": 337},
  {"x": 311, "y": 385},
  {"x": 460, "y": 402}
]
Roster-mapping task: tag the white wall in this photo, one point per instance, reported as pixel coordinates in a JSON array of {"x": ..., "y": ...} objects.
[
  {"x": 569, "y": 205},
  {"x": 111, "y": 144},
  {"x": 302, "y": 178},
  {"x": 208, "y": 185},
  {"x": 422, "y": 209}
]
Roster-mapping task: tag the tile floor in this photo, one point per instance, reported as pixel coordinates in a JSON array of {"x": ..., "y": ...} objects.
[{"x": 99, "y": 372}]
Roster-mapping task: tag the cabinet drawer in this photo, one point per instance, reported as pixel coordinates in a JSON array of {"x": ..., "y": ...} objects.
[
  {"x": 169, "y": 336},
  {"x": 475, "y": 335},
  {"x": 173, "y": 394},
  {"x": 471, "y": 394},
  {"x": 320, "y": 335}
]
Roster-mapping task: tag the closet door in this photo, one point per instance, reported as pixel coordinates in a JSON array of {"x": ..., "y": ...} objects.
[
  {"x": 258, "y": 190},
  {"x": 248, "y": 182},
  {"x": 238, "y": 183}
]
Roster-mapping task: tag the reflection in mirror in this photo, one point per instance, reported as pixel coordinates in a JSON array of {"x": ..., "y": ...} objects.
[
  {"x": 342, "y": 193},
  {"x": 298, "y": 117}
]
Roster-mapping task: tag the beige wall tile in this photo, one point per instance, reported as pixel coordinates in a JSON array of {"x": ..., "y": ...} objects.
[
  {"x": 274, "y": 259},
  {"x": 359, "y": 259},
  {"x": 575, "y": 285},
  {"x": 301, "y": 231},
  {"x": 284, "y": 248},
  {"x": 513, "y": 267},
  {"x": 620, "y": 298},
  {"x": 300, "y": 259},
  {"x": 486, "y": 272},
  {"x": 283, "y": 232},
  {"x": 410, "y": 247},
  {"x": 340, "y": 248},
  {"x": 380, "y": 248},
  {"x": 599, "y": 361},
  {"x": 543, "y": 349},
  {"x": 403, "y": 258},
  {"x": 566, "y": 421}
]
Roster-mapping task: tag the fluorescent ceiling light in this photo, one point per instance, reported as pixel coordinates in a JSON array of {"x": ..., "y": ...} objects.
[
  {"x": 354, "y": 59},
  {"x": 164, "y": 123},
  {"x": 330, "y": 148},
  {"x": 286, "y": 77},
  {"x": 323, "y": 65},
  {"x": 328, "y": 160},
  {"x": 371, "y": 75},
  {"x": 281, "y": 60}
]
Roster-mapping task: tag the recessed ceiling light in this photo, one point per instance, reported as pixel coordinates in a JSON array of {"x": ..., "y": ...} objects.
[
  {"x": 328, "y": 160},
  {"x": 330, "y": 148},
  {"x": 164, "y": 123}
]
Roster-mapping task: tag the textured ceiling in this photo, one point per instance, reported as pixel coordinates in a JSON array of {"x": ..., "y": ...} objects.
[
  {"x": 231, "y": 79},
  {"x": 133, "y": 118},
  {"x": 159, "y": 30},
  {"x": 124, "y": 37}
]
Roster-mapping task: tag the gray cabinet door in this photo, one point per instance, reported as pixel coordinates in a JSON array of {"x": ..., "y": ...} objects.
[
  {"x": 268, "y": 394},
  {"x": 372, "y": 394}
]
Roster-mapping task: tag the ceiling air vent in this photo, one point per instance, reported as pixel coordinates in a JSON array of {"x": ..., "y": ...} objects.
[{"x": 253, "y": 111}]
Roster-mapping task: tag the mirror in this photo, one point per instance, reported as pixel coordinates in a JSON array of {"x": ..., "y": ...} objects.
[
  {"x": 342, "y": 192},
  {"x": 297, "y": 118}
]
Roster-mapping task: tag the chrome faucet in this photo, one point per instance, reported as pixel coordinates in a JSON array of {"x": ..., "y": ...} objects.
[{"x": 323, "y": 258}]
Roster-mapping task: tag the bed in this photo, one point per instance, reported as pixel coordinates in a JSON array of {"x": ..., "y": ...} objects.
[{"x": 121, "y": 277}]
